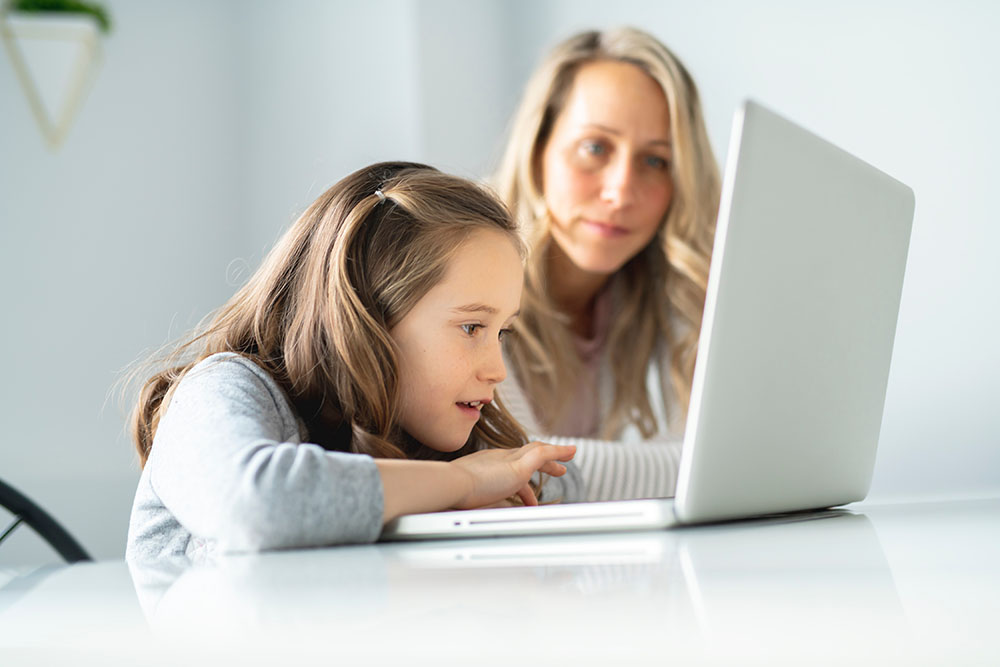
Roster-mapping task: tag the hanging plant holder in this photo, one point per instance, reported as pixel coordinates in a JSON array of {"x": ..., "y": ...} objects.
[{"x": 56, "y": 55}]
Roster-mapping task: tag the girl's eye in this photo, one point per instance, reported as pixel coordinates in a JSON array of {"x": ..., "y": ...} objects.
[
  {"x": 471, "y": 329},
  {"x": 504, "y": 333}
]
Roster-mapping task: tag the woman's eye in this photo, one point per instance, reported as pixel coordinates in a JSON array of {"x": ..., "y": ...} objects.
[
  {"x": 592, "y": 149},
  {"x": 656, "y": 162},
  {"x": 471, "y": 329},
  {"x": 504, "y": 333}
]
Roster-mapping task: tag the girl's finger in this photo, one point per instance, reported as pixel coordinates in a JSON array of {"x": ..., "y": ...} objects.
[
  {"x": 527, "y": 495},
  {"x": 554, "y": 469},
  {"x": 569, "y": 453},
  {"x": 561, "y": 452},
  {"x": 543, "y": 454}
]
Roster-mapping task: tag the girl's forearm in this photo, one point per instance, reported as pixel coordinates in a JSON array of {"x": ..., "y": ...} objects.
[{"x": 409, "y": 487}]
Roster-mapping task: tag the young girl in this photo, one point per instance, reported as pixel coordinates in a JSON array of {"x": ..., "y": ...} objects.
[{"x": 349, "y": 382}]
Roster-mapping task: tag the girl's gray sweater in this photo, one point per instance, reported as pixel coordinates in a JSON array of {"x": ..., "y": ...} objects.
[{"x": 229, "y": 471}]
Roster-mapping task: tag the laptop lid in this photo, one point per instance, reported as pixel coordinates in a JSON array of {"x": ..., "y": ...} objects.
[{"x": 797, "y": 335}]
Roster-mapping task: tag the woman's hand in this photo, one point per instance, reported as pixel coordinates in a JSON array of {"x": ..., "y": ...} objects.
[{"x": 496, "y": 474}]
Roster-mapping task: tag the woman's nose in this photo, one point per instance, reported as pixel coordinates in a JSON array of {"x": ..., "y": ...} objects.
[{"x": 618, "y": 188}]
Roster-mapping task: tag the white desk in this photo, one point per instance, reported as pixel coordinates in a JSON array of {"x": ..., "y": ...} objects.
[{"x": 890, "y": 584}]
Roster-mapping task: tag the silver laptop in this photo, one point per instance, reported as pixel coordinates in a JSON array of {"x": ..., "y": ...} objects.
[{"x": 796, "y": 340}]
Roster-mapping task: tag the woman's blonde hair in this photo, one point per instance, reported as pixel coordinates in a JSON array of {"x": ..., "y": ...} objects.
[
  {"x": 317, "y": 314},
  {"x": 662, "y": 289}
]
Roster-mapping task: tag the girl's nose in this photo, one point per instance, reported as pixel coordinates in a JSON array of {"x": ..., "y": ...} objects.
[{"x": 492, "y": 369}]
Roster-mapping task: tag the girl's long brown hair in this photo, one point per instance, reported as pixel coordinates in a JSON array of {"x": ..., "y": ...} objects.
[
  {"x": 316, "y": 315},
  {"x": 662, "y": 289}
]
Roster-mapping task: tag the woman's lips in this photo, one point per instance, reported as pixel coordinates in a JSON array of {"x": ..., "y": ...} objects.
[{"x": 605, "y": 229}]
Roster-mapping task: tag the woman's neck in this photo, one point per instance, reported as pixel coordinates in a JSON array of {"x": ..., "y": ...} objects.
[{"x": 573, "y": 290}]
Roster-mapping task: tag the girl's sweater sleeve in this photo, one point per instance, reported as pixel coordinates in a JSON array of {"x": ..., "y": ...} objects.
[{"x": 228, "y": 465}]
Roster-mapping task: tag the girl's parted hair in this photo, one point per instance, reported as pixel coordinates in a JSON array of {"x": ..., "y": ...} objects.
[
  {"x": 317, "y": 314},
  {"x": 662, "y": 288}
]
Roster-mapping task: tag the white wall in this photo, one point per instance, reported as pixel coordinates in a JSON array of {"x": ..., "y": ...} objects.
[
  {"x": 465, "y": 51},
  {"x": 108, "y": 247},
  {"x": 325, "y": 88},
  {"x": 213, "y": 124}
]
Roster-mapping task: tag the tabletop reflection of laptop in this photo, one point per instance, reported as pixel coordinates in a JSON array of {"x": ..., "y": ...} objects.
[{"x": 796, "y": 339}]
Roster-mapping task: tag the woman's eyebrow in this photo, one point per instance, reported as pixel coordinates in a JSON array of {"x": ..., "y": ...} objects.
[{"x": 666, "y": 143}]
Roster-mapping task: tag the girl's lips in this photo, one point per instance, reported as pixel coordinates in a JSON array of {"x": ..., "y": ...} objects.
[
  {"x": 605, "y": 230},
  {"x": 468, "y": 410}
]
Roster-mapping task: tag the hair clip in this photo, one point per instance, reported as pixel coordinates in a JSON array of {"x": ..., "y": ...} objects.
[{"x": 380, "y": 195}]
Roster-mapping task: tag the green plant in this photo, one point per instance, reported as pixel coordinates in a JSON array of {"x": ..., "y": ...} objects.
[{"x": 68, "y": 6}]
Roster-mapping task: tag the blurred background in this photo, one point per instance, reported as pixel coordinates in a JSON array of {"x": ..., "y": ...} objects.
[{"x": 212, "y": 124}]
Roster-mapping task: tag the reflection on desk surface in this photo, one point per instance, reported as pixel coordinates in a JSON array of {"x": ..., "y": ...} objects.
[{"x": 804, "y": 587}]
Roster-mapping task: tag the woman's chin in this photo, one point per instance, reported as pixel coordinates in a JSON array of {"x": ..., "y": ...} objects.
[
  {"x": 598, "y": 261},
  {"x": 600, "y": 265}
]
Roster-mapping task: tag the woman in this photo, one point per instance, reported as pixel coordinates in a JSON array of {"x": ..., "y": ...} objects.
[{"x": 611, "y": 174}]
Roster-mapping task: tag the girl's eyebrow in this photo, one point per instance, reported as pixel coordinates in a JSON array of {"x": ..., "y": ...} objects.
[
  {"x": 476, "y": 308},
  {"x": 479, "y": 308}
]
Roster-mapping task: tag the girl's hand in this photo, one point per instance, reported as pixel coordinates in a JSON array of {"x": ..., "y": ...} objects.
[{"x": 496, "y": 474}]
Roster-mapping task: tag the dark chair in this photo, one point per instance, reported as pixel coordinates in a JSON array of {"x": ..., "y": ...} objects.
[{"x": 27, "y": 512}]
